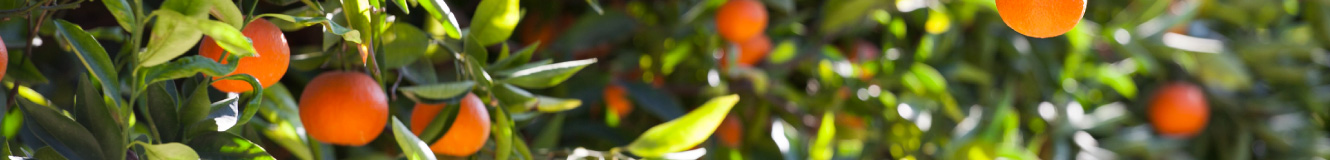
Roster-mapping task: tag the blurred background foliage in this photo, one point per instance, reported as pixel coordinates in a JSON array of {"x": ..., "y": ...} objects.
[{"x": 852, "y": 79}]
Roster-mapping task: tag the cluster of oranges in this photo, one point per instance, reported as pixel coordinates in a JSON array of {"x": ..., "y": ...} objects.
[{"x": 743, "y": 22}]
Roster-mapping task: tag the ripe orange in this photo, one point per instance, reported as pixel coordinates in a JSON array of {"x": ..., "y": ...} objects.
[
  {"x": 468, "y": 132},
  {"x": 617, "y": 101},
  {"x": 1041, "y": 18},
  {"x": 270, "y": 64},
  {"x": 730, "y": 132},
  {"x": 741, "y": 20},
  {"x": 751, "y": 52},
  {"x": 1179, "y": 110},
  {"x": 4, "y": 59},
  {"x": 343, "y": 108}
]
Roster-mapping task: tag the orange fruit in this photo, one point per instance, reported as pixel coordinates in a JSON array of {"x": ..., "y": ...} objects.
[
  {"x": 343, "y": 108},
  {"x": 730, "y": 132},
  {"x": 268, "y": 67},
  {"x": 741, "y": 20},
  {"x": 751, "y": 52},
  {"x": 616, "y": 99},
  {"x": 1041, "y": 18},
  {"x": 468, "y": 132},
  {"x": 1179, "y": 110},
  {"x": 4, "y": 59}
]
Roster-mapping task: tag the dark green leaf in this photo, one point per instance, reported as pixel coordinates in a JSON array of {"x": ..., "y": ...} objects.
[
  {"x": 440, "y": 11},
  {"x": 685, "y": 132},
  {"x": 660, "y": 103},
  {"x": 421, "y": 72},
  {"x": 441, "y": 123},
  {"x": 170, "y": 151},
  {"x": 282, "y": 120},
  {"x": 437, "y": 91},
  {"x": 547, "y": 75},
  {"x": 196, "y": 104},
  {"x": 513, "y": 98},
  {"x": 494, "y": 21},
  {"x": 401, "y": 4},
  {"x": 66, "y": 136},
  {"x": 101, "y": 118},
  {"x": 94, "y": 58},
  {"x": 46, "y": 153},
  {"x": 255, "y": 97},
  {"x": 223, "y": 145},
  {"x": 27, "y": 72},
  {"x": 413, "y": 147},
  {"x": 403, "y": 44},
  {"x": 161, "y": 105},
  {"x": 185, "y": 67},
  {"x": 347, "y": 34},
  {"x": 520, "y": 58},
  {"x": 124, "y": 15},
  {"x": 475, "y": 50},
  {"x": 221, "y": 117}
]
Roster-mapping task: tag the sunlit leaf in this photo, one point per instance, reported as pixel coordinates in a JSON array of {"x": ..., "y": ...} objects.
[
  {"x": 223, "y": 145},
  {"x": 547, "y": 75},
  {"x": 494, "y": 21},
  {"x": 438, "y": 91},
  {"x": 411, "y": 146},
  {"x": 185, "y": 67},
  {"x": 826, "y": 133},
  {"x": 440, "y": 11},
  {"x": 170, "y": 151},
  {"x": 226, "y": 11},
  {"x": 124, "y": 14},
  {"x": 686, "y": 131},
  {"x": 551, "y": 104},
  {"x": 346, "y": 33}
]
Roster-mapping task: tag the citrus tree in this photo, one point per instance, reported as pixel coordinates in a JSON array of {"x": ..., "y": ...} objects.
[{"x": 683, "y": 79}]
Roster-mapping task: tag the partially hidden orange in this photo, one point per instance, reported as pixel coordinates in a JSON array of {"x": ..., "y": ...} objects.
[
  {"x": 741, "y": 20},
  {"x": 1041, "y": 18},
  {"x": 616, "y": 100},
  {"x": 1179, "y": 110},
  {"x": 467, "y": 134},
  {"x": 274, "y": 56},
  {"x": 4, "y": 59},
  {"x": 730, "y": 132},
  {"x": 343, "y": 108}
]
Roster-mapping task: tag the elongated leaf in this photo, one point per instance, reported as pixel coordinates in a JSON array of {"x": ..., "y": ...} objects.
[
  {"x": 547, "y": 75},
  {"x": 186, "y": 67},
  {"x": 438, "y": 91},
  {"x": 502, "y": 134},
  {"x": 170, "y": 151},
  {"x": 413, "y": 147},
  {"x": 551, "y": 104},
  {"x": 440, "y": 11},
  {"x": 101, "y": 119},
  {"x": 255, "y": 97},
  {"x": 518, "y": 59},
  {"x": 93, "y": 56},
  {"x": 826, "y": 132},
  {"x": 357, "y": 14},
  {"x": 403, "y": 44},
  {"x": 1118, "y": 81},
  {"x": 196, "y": 105},
  {"x": 282, "y": 120},
  {"x": 685, "y": 132},
  {"x": 346, "y": 33},
  {"x": 402, "y": 4},
  {"x": 660, "y": 103},
  {"x": 229, "y": 38},
  {"x": 442, "y": 122},
  {"x": 494, "y": 21},
  {"x": 513, "y": 98},
  {"x": 160, "y": 101},
  {"x": 226, "y": 11},
  {"x": 223, "y": 145},
  {"x": 124, "y": 14},
  {"x": 421, "y": 72},
  {"x": 475, "y": 50},
  {"x": 63, "y": 134}
]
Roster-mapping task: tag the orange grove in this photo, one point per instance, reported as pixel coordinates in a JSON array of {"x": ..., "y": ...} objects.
[
  {"x": 741, "y": 20},
  {"x": 268, "y": 67},
  {"x": 343, "y": 108},
  {"x": 1179, "y": 110},
  {"x": 1041, "y": 18},
  {"x": 468, "y": 132}
]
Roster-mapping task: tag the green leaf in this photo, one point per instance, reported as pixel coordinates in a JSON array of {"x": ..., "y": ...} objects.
[
  {"x": 685, "y": 132},
  {"x": 442, "y": 122},
  {"x": 494, "y": 21},
  {"x": 923, "y": 79},
  {"x": 520, "y": 58},
  {"x": 658, "y": 102},
  {"x": 440, "y": 11},
  {"x": 548, "y": 75},
  {"x": 282, "y": 120},
  {"x": 403, "y": 44},
  {"x": 784, "y": 52},
  {"x": 437, "y": 91},
  {"x": 93, "y": 56},
  {"x": 412, "y": 147},
  {"x": 421, "y": 72},
  {"x": 223, "y": 145},
  {"x": 46, "y": 153},
  {"x": 475, "y": 50},
  {"x": 347, "y": 34},
  {"x": 842, "y": 14},
  {"x": 13, "y": 122},
  {"x": 826, "y": 133},
  {"x": 515, "y": 99},
  {"x": 124, "y": 14},
  {"x": 25, "y": 72},
  {"x": 552, "y": 104},
  {"x": 357, "y": 13},
  {"x": 401, "y": 4},
  {"x": 503, "y": 134},
  {"x": 1118, "y": 81},
  {"x": 63, "y": 134},
  {"x": 229, "y": 38},
  {"x": 192, "y": 8},
  {"x": 161, "y": 104},
  {"x": 185, "y": 67},
  {"x": 170, "y": 151},
  {"x": 196, "y": 104},
  {"x": 226, "y": 11},
  {"x": 172, "y": 35},
  {"x": 675, "y": 56}
]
